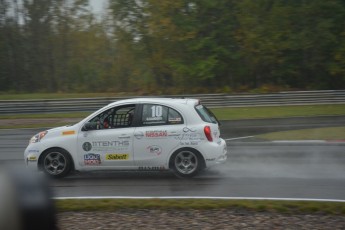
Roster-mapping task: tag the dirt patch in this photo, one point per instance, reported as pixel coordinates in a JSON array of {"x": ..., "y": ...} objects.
[{"x": 196, "y": 219}]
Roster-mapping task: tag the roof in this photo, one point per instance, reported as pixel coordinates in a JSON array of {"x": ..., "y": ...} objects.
[{"x": 157, "y": 100}]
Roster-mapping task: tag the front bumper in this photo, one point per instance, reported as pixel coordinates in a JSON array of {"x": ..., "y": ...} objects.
[{"x": 31, "y": 156}]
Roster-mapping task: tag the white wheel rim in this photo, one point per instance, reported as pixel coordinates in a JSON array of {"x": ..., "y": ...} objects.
[{"x": 186, "y": 162}]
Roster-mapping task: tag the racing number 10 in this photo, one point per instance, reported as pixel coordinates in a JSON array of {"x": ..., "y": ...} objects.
[{"x": 157, "y": 111}]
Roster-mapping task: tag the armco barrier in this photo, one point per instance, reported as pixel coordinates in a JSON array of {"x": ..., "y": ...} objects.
[{"x": 210, "y": 100}]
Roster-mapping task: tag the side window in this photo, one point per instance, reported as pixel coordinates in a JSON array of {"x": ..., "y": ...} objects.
[
  {"x": 174, "y": 117},
  {"x": 123, "y": 116},
  {"x": 117, "y": 117},
  {"x": 160, "y": 115}
]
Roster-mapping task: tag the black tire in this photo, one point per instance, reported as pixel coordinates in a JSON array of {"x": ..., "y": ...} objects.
[
  {"x": 186, "y": 163},
  {"x": 56, "y": 163}
]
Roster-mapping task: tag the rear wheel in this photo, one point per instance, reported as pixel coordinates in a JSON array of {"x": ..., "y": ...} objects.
[
  {"x": 56, "y": 163},
  {"x": 186, "y": 163}
]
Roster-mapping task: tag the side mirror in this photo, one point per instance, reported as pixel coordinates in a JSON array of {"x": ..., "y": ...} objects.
[{"x": 89, "y": 126}]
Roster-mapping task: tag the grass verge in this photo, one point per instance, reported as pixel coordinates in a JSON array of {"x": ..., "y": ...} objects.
[
  {"x": 329, "y": 133},
  {"x": 278, "y": 111},
  {"x": 290, "y": 207}
]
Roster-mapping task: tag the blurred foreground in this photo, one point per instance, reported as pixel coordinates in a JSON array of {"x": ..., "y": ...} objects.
[{"x": 25, "y": 201}]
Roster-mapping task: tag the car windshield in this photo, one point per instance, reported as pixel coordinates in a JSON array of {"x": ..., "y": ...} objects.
[{"x": 205, "y": 114}]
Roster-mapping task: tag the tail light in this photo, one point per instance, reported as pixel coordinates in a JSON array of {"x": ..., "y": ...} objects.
[{"x": 208, "y": 134}]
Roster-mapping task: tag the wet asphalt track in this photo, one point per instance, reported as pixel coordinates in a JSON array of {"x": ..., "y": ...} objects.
[{"x": 254, "y": 169}]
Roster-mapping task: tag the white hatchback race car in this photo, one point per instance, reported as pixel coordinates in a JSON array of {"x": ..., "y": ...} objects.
[{"x": 144, "y": 134}]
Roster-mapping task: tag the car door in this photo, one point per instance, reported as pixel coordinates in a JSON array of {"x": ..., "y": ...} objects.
[
  {"x": 157, "y": 136},
  {"x": 106, "y": 141}
]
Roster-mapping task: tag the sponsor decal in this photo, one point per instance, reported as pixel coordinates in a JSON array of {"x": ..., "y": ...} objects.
[
  {"x": 154, "y": 118},
  {"x": 32, "y": 158},
  {"x": 189, "y": 143},
  {"x": 101, "y": 146},
  {"x": 92, "y": 159},
  {"x": 176, "y": 119},
  {"x": 160, "y": 122},
  {"x": 87, "y": 146},
  {"x": 211, "y": 159},
  {"x": 155, "y": 149},
  {"x": 69, "y": 132},
  {"x": 116, "y": 156},
  {"x": 156, "y": 133},
  {"x": 151, "y": 168},
  {"x": 33, "y": 151},
  {"x": 109, "y": 143},
  {"x": 186, "y": 130},
  {"x": 191, "y": 137}
]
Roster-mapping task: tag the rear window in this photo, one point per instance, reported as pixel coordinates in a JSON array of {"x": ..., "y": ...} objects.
[{"x": 205, "y": 114}]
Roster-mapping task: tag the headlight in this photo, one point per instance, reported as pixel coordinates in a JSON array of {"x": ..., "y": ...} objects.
[{"x": 38, "y": 137}]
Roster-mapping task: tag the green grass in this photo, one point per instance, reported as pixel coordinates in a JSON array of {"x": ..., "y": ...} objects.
[
  {"x": 278, "y": 111},
  {"x": 329, "y": 133},
  {"x": 291, "y": 207}
]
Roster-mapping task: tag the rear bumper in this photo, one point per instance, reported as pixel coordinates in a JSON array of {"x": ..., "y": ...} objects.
[
  {"x": 216, "y": 154},
  {"x": 222, "y": 159}
]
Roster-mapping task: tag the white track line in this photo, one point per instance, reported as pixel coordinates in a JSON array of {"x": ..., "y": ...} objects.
[
  {"x": 300, "y": 141},
  {"x": 196, "y": 197},
  {"x": 237, "y": 138}
]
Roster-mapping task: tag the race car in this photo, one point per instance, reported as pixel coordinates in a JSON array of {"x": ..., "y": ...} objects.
[{"x": 155, "y": 134}]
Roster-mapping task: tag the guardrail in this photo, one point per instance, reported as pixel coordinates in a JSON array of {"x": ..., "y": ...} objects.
[{"x": 210, "y": 100}]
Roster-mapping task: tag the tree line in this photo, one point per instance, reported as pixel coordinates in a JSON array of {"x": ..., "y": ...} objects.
[{"x": 180, "y": 46}]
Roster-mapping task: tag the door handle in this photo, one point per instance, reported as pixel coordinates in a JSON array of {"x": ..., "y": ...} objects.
[{"x": 124, "y": 136}]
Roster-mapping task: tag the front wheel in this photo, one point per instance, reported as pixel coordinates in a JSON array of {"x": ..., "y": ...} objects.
[
  {"x": 186, "y": 163},
  {"x": 56, "y": 163}
]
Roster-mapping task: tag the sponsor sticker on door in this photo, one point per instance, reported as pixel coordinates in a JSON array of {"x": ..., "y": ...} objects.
[
  {"x": 92, "y": 159},
  {"x": 155, "y": 149},
  {"x": 156, "y": 133},
  {"x": 116, "y": 156},
  {"x": 102, "y": 146}
]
